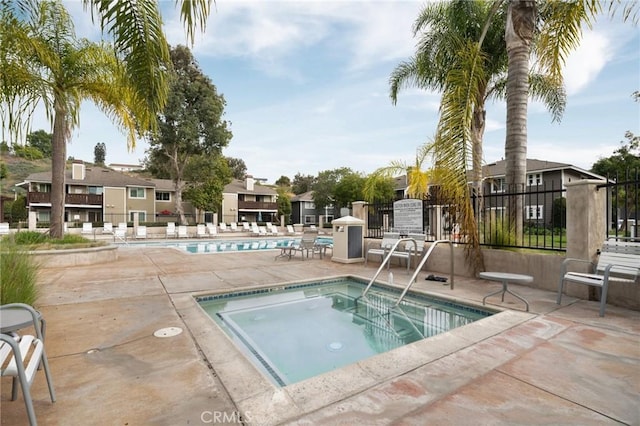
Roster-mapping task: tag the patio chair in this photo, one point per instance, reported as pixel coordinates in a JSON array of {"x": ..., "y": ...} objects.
[
  {"x": 618, "y": 262},
  {"x": 182, "y": 231},
  {"x": 201, "y": 231},
  {"x": 275, "y": 231},
  {"x": 234, "y": 227},
  {"x": 107, "y": 228},
  {"x": 223, "y": 227},
  {"x": 290, "y": 230},
  {"x": 120, "y": 231},
  {"x": 212, "y": 229},
  {"x": 4, "y": 228},
  {"x": 409, "y": 252},
  {"x": 171, "y": 229},
  {"x": 388, "y": 241},
  {"x": 87, "y": 228},
  {"x": 21, "y": 357},
  {"x": 246, "y": 227},
  {"x": 306, "y": 245},
  {"x": 141, "y": 232}
]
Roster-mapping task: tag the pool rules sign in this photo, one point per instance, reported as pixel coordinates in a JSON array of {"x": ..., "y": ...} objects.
[{"x": 407, "y": 216}]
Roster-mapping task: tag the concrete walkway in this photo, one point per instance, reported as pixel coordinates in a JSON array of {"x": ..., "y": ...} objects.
[{"x": 553, "y": 365}]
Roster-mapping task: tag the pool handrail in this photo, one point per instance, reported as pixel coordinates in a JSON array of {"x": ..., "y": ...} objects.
[
  {"x": 387, "y": 259},
  {"x": 422, "y": 262}
]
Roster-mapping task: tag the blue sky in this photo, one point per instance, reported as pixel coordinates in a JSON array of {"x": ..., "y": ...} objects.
[{"x": 306, "y": 86}]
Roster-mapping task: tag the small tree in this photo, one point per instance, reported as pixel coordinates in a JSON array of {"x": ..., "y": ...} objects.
[
  {"x": 238, "y": 167},
  {"x": 284, "y": 204},
  {"x": 302, "y": 183},
  {"x": 559, "y": 214},
  {"x": 99, "y": 153},
  {"x": 206, "y": 177},
  {"x": 283, "y": 181},
  {"x": 42, "y": 141}
]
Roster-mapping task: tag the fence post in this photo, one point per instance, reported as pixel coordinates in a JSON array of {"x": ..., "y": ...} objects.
[
  {"x": 586, "y": 218},
  {"x": 359, "y": 210}
]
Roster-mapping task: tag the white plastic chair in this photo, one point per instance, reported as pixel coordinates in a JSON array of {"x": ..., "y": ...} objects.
[
  {"x": 87, "y": 228},
  {"x": 141, "y": 232},
  {"x": 201, "y": 230},
  {"x": 107, "y": 228},
  {"x": 20, "y": 358},
  {"x": 171, "y": 229}
]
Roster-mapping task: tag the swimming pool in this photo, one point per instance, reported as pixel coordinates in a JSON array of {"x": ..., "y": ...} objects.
[
  {"x": 220, "y": 245},
  {"x": 297, "y": 331}
]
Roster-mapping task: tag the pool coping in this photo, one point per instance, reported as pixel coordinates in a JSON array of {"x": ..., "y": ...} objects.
[{"x": 252, "y": 392}]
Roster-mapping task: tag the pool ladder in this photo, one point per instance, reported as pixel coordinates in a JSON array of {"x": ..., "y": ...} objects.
[{"x": 387, "y": 259}]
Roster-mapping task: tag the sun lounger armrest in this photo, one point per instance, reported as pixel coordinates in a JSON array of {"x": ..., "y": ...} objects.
[{"x": 569, "y": 260}]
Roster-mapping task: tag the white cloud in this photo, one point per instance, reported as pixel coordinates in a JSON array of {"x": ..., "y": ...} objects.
[{"x": 585, "y": 63}]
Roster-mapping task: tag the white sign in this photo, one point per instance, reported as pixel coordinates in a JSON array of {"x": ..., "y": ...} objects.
[{"x": 407, "y": 216}]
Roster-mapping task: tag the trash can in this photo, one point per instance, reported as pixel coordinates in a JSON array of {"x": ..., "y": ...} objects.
[{"x": 348, "y": 240}]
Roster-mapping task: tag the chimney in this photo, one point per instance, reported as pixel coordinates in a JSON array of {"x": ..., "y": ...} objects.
[
  {"x": 248, "y": 183},
  {"x": 78, "y": 170}
]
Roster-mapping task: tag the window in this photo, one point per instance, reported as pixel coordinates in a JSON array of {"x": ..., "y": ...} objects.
[
  {"x": 136, "y": 193},
  {"x": 97, "y": 190},
  {"x": 533, "y": 212},
  {"x": 42, "y": 187},
  {"x": 309, "y": 218},
  {"x": 163, "y": 196},
  {"x": 498, "y": 185},
  {"x": 44, "y": 216},
  {"x": 142, "y": 215},
  {"x": 534, "y": 179},
  {"x": 309, "y": 205}
]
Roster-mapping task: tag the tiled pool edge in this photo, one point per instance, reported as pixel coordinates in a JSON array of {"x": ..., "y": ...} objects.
[{"x": 253, "y": 393}]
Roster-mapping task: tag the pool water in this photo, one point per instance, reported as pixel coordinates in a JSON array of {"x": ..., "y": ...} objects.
[
  {"x": 220, "y": 246},
  {"x": 300, "y": 331}
]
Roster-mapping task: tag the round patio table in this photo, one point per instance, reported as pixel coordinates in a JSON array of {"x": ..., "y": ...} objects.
[
  {"x": 14, "y": 319},
  {"x": 505, "y": 278}
]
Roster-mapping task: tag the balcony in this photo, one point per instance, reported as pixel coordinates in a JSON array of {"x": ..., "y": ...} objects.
[
  {"x": 70, "y": 199},
  {"x": 257, "y": 206}
]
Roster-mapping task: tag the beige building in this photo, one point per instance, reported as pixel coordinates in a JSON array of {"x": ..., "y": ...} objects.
[{"x": 248, "y": 201}]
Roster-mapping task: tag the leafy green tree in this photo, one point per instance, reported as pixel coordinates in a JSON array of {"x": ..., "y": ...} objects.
[
  {"x": 190, "y": 125},
  {"x": 349, "y": 189},
  {"x": 27, "y": 152},
  {"x": 325, "y": 185},
  {"x": 42, "y": 141},
  {"x": 19, "y": 209},
  {"x": 284, "y": 203},
  {"x": 4, "y": 171},
  {"x": 302, "y": 183},
  {"x": 206, "y": 176},
  {"x": 559, "y": 215},
  {"x": 99, "y": 153},
  {"x": 46, "y": 62},
  {"x": 283, "y": 181},
  {"x": 238, "y": 167},
  {"x": 378, "y": 189}
]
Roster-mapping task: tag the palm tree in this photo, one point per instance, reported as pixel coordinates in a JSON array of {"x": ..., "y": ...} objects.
[
  {"x": 450, "y": 32},
  {"x": 51, "y": 65}
]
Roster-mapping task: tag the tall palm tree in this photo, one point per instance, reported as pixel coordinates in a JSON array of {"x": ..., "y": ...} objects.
[
  {"x": 51, "y": 65},
  {"x": 449, "y": 35}
]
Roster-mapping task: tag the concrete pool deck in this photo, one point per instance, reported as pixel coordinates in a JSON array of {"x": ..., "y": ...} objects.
[{"x": 553, "y": 365}]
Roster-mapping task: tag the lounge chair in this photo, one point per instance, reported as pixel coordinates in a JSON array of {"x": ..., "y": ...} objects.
[
  {"x": 246, "y": 227},
  {"x": 141, "y": 232},
  {"x": 171, "y": 229},
  {"x": 255, "y": 230},
  {"x": 389, "y": 239},
  {"x": 275, "y": 231},
  {"x": 120, "y": 231},
  {"x": 234, "y": 227},
  {"x": 262, "y": 231},
  {"x": 4, "y": 228},
  {"x": 201, "y": 231},
  {"x": 306, "y": 245},
  {"x": 107, "y": 228},
  {"x": 618, "y": 262},
  {"x": 290, "y": 230},
  {"x": 212, "y": 229},
  {"x": 182, "y": 231},
  {"x": 87, "y": 228},
  {"x": 21, "y": 358},
  {"x": 223, "y": 227}
]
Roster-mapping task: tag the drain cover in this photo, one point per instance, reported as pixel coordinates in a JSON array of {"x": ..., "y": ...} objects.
[
  {"x": 168, "y": 332},
  {"x": 334, "y": 346}
]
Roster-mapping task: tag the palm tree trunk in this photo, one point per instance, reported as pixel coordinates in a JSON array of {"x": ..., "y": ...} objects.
[
  {"x": 58, "y": 158},
  {"x": 518, "y": 36}
]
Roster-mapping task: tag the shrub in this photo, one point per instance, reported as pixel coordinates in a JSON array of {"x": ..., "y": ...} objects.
[
  {"x": 29, "y": 237},
  {"x": 19, "y": 276},
  {"x": 496, "y": 233}
]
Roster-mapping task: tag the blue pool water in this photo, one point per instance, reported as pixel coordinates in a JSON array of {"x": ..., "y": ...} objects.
[
  {"x": 299, "y": 331},
  {"x": 220, "y": 245}
]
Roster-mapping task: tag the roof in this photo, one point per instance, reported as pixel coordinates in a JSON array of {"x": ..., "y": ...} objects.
[
  {"x": 95, "y": 176},
  {"x": 305, "y": 196},
  {"x": 238, "y": 186},
  {"x": 162, "y": 184},
  {"x": 498, "y": 168}
]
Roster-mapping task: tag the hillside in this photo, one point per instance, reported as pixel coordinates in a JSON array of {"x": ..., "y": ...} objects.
[{"x": 18, "y": 169}]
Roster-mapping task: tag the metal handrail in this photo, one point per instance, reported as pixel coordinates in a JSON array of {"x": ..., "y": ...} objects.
[
  {"x": 387, "y": 260},
  {"x": 422, "y": 262}
]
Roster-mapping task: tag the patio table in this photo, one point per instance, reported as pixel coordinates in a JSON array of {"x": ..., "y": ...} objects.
[{"x": 505, "y": 278}]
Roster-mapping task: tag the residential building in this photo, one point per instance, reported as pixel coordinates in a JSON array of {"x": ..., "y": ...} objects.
[
  {"x": 247, "y": 201},
  {"x": 99, "y": 194},
  {"x": 125, "y": 167},
  {"x": 303, "y": 210},
  {"x": 546, "y": 181}
]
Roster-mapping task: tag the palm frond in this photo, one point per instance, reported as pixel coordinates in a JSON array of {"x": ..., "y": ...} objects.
[
  {"x": 553, "y": 95},
  {"x": 194, "y": 15}
]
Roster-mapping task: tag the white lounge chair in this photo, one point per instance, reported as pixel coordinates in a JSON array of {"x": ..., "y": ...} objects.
[
  {"x": 212, "y": 229},
  {"x": 246, "y": 227},
  {"x": 223, "y": 227},
  {"x": 4, "y": 228},
  {"x": 87, "y": 228},
  {"x": 290, "y": 230},
  {"x": 201, "y": 230},
  {"x": 182, "y": 231},
  {"x": 275, "y": 231},
  {"x": 21, "y": 358},
  {"x": 107, "y": 228},
  {"x": 141, "y": 232},
  {"x": 234, "y": 227},
  {"x": 171, "y": 229},
  {"x": 120, "y": 231}
]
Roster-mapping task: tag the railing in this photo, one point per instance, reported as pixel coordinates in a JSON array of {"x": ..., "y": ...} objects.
[
  {"x": 79, "y": 199},
  {"x": 623, "y": 205},
  {"x": 257, "y": 205}
]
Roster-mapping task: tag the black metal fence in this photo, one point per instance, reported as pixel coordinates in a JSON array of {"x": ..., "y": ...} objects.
[
  {"x": 543, "y": 217},
  {"x": 623, "y": 201}
]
